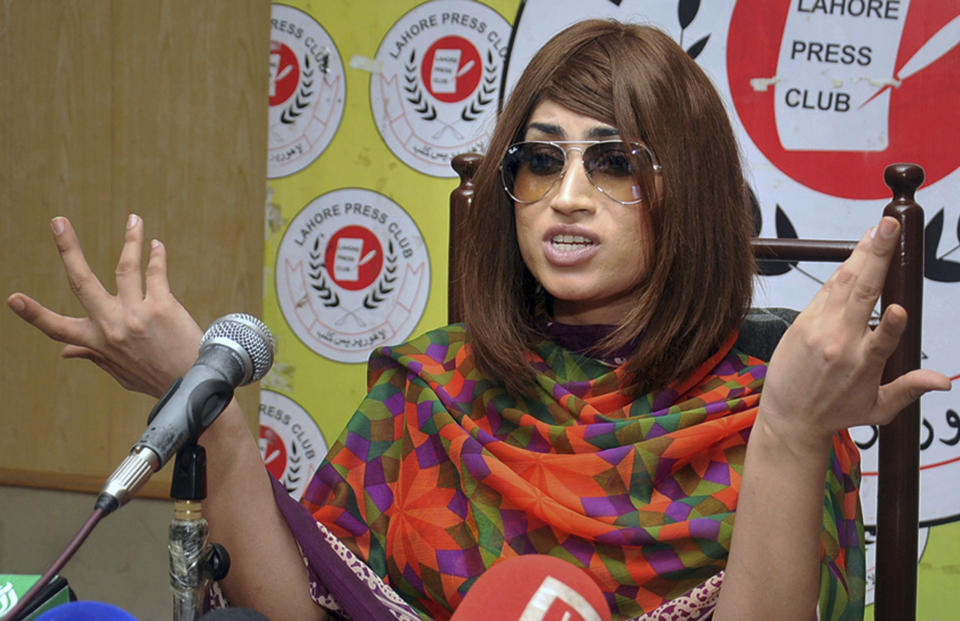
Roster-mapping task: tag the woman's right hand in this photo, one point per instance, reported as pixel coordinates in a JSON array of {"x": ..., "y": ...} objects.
[{"x": 142, "y": 336}]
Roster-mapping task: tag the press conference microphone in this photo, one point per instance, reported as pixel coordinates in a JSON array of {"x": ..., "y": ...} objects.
[
  {"x": 235, "y": 350},
  {"x": 533, "y": 587}
]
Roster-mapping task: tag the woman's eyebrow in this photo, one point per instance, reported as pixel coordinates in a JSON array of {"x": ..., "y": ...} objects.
[
  {"x": 603, "y": 132},
  {"x": 554, "y": 130},
  {"x": 549, "y": 129}
]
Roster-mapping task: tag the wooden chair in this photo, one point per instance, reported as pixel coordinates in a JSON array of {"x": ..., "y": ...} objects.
[{"x": 898, "y": 479}]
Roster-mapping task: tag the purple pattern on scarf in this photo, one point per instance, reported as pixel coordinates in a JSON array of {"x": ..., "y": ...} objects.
[
  {"x": 705, "y": 528},
  {"x": 663, "y": 560},
  {"x": 463, "y": 563},
  {"x": 678, "y": 511},
  {"x": 580, "y": 549},
  {"x": 607, "y": 506},
  {"x": 717, "y": 473},
  {"x": 395, "y": 404},
  {"x": 357, "y": 444},
  {"x": 431, "y": 452}
]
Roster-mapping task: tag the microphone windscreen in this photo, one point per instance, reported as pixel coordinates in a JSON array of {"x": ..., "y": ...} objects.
[{"x": 533, "y": 587}]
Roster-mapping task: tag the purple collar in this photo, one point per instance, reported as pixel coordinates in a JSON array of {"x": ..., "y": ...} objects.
[{"x": 581, "y": 339}]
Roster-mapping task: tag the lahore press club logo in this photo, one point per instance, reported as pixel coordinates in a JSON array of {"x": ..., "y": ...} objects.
[
  {"x": 306, "y": 91},
  {"x": 436, "y": 94},
  {"x": 828, "y": 91},
  {"x": 352, "y": 274},
  {"x": 291, "y": 444}
]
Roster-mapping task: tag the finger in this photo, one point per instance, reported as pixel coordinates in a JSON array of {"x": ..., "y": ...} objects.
[
  {"x": 157, "y": 283},
  {"x": 129, "y": 282},
  {"x": 844, "y": 278},
  {"x": 836, "y": 289},
  {"x": 901, "y": 392},
  {"x": 56, "y": 326},
  {"x": 84, "y": 284},
  {"x": 881, "y": 342},
  {"x": 874, "y": 253}
]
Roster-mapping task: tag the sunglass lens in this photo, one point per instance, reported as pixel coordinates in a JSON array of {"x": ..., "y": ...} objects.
[
  {"x": 530, "y": 169},
  {"x": 614, "y": 166}
]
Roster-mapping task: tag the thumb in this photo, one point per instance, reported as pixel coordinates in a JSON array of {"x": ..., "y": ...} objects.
[{"x": 901, "y": 392}]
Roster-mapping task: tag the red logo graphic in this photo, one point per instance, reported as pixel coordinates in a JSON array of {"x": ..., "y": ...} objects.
[
  {"x": 922, "y": 125},
  {"x": 451, "y": 69},
  {"x": 284, "y": 73},
  {"x": 353, "y": 258},
  {"x": 274, "y": 452}
]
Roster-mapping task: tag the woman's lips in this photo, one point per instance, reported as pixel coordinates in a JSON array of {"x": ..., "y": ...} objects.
[{"x": 568, "y": 248}]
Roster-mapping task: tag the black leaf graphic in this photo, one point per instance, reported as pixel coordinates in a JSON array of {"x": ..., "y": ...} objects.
[
  {"x": 485, "y": 94},
  {"x": 686, "y": 11},
  {"x": 377, "y": 294},
  {"x": 935, "y": 268},
  {"x": 694, "y": 50},
  {"x": 785, "y": 230}
]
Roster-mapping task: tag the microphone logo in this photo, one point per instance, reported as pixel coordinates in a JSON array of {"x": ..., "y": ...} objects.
[
  {"x": 555, "y": 600},
  {"x": 8, "y": 598}
]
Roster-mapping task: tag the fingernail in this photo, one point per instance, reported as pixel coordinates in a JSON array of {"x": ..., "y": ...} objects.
[
  {"x": 873, "y": 232},
  {"x": 57, "y": 225},
  {"x": 887, "y": 227},
  {"x": 132, "y": 221},
  {"x": 17, "y": 304},
  {"x": 154, "y": 243}
]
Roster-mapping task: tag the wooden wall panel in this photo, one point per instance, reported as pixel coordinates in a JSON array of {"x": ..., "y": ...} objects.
[{"x": 156, "y": 107}]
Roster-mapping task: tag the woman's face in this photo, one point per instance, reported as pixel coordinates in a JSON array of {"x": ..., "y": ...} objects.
[{"x": 586, "y": 249}]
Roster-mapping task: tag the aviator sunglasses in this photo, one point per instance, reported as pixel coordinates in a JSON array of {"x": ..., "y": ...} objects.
[{"x": 530, "y": 169}]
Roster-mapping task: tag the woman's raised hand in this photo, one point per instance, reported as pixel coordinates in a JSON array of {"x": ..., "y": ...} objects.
[
  {"x": 825, "y": 374},
  {"x": 142, "y": 336}
]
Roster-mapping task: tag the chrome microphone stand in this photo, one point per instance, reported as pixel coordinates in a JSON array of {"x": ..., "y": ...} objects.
[{"x": 194, "y": 561}]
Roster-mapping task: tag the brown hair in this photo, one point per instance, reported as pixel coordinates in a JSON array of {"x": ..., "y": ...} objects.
[{"x": 701, "y": 267}]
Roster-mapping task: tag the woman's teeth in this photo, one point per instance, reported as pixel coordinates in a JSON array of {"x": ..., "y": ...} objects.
[{"x": 569, "y": 243}]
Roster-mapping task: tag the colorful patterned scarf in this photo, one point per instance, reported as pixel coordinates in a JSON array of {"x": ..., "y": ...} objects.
[{"x": 441, "y": 473}]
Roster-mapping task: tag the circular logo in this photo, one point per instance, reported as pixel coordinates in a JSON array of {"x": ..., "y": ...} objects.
[
  {"x": 291, "y": 444},
  {"x": 352, "y": 274},
  {"x": 436, "y": 95},
  {"x": 830, "y": 90},
  {"x": 306, "y": 91}
]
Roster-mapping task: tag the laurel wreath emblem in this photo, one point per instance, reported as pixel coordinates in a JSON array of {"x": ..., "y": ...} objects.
[
  {"x": 378, "y": 293},
  {"x": 486, "y": 92},
  {"x": 470, "y": 112},
  {"x": 292, "y": 476},
  {"x": 420, "y": 104},
  {"x": 301, "y": 101},
  {"x": 318, "y": 268}
]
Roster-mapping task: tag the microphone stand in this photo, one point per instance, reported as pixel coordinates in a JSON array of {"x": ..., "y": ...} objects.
[{"x": 194, "y": 561}]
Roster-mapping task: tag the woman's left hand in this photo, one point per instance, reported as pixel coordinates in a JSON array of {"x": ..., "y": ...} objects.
[
  {"x": 142, "y": 336},
  {"x": 825, "y": 374}
]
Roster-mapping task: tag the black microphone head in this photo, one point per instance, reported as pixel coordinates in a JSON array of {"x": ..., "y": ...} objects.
[{"x": 248, "y": 337}]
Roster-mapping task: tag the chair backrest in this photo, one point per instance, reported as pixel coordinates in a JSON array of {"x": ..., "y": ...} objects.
[{"x": 898, "y": 477}]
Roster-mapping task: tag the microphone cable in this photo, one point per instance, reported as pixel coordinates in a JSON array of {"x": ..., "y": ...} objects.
[{"x": 58, "y": 564}]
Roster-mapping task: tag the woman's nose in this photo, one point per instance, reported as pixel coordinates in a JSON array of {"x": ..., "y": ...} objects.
[{"x": 575, "y": 191}]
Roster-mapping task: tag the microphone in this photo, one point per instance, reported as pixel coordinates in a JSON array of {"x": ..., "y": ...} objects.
[
  {"x": 533, "y": 587},
  {"x": 236, "y": 349}
]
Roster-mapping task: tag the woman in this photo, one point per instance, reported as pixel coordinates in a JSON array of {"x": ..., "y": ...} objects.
[{"x": 592, "y": 408}]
